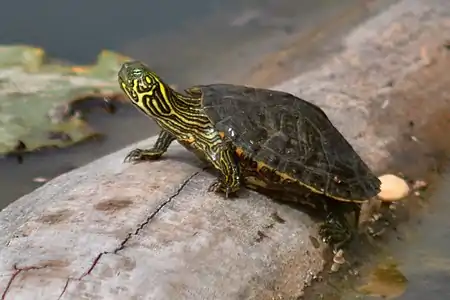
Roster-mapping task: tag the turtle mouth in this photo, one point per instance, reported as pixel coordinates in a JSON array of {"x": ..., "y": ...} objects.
[{"x": 124, "y": 74}]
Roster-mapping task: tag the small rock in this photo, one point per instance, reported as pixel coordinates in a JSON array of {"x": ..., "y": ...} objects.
[
  {"x": 338, "y": 260},
  {"x": 339, "y": 257},
  {"x": 335, "y": 267},
  {"x": 393, "y": 188},
  {"x": 414, "y": 138},
  {"x": 40, "y": 179},
  {"x": 376, "y": 217},
  {"x": 419, "y": 185}
]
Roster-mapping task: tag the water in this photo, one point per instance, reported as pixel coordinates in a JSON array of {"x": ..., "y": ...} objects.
[
  {"x": 78, "y": 30},
  {"x": 410, "y": 262},
  {"x": 200, "y": 41},
  {"x": 424, "y": 256},
  {"x": 18, "y": 179}
]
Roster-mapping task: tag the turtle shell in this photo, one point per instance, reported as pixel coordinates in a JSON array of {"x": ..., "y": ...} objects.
[{"x": 293, "y": 137}]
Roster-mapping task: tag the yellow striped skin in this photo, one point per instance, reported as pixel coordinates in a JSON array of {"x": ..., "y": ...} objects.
[{"x": 180, "y": 118}]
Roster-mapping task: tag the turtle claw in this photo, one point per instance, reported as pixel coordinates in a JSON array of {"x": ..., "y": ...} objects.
[
  {"x": 138, "y": 155},
  {"x": 220, "y": 186},
  {"x": 133, "y": 156}
]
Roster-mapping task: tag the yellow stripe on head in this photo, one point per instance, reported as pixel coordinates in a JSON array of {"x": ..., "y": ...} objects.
[{"x": 145, "y": 89}]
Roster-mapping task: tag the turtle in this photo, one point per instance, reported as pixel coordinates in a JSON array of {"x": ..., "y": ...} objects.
[{"x": 262, "y": 139}]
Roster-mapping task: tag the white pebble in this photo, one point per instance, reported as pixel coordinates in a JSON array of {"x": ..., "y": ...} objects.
[
  {"x": 393, "y": 188},
  {"x": 40, "y": 179}
]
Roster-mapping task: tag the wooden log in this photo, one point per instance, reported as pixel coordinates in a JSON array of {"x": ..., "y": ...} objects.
[{"x": 150, "y": 231}]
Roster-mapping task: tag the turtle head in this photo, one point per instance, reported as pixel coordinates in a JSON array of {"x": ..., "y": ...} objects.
[{"x": 145, "y": 89}]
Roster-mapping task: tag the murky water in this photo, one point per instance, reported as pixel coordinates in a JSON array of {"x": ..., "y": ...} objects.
[
  {"x": 423, "y": 257},
  {"x": 411, "y": 262},
  {"x": 199, "y": 41}
]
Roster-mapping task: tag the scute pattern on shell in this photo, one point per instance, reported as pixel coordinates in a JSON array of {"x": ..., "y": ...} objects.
[{"x": 292, "y": 136}]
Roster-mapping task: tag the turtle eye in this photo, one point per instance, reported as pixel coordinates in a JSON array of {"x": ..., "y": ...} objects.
[{"x": 137, "y": 73}]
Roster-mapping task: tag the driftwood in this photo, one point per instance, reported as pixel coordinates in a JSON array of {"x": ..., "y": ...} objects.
[{"x": 151, "y": 231}]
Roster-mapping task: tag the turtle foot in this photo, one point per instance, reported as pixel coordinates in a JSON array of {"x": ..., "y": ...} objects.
[
  {"x": 227, "y": 190},
  {"x": 336, "y": 231},
  {"x": 138, "y": 155}
]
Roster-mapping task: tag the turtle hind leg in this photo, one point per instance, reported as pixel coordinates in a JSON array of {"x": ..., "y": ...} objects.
[
  {"x": 336, "y": 230},
  {"x": 159, "y": 148}
]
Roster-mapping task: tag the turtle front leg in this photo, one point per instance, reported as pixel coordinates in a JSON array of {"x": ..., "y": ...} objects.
[
  {"x": 159, "y": 148},
  {"x": 223, "y": 159}
]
